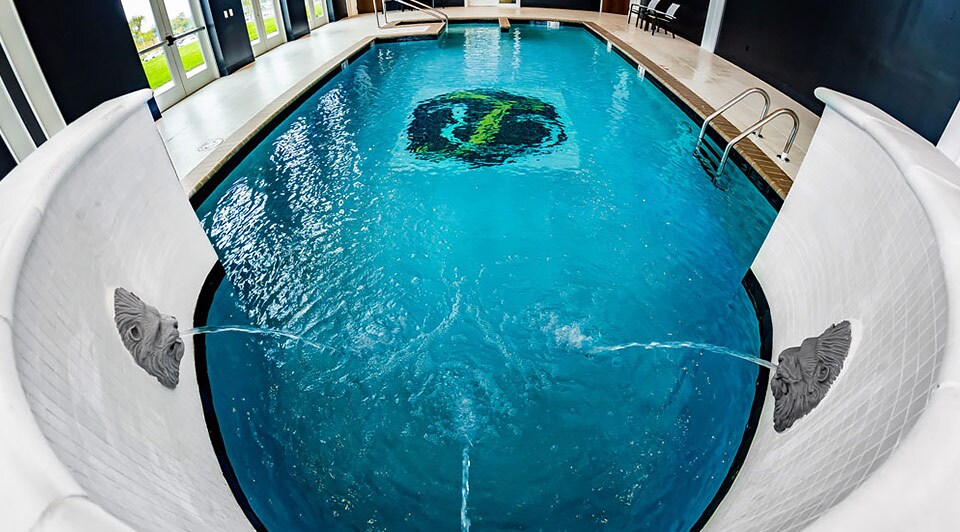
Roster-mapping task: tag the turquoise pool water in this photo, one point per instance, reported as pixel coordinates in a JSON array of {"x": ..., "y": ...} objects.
[{"x": 464, "y": 223}]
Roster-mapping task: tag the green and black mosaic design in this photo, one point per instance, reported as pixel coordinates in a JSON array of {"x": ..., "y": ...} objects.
[{"x": 483, "y": 127}]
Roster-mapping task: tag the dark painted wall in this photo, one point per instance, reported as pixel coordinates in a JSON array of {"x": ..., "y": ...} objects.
[
  {"x": 901, "y": 55},
  {"x": 295, "y": 22},
  {"x": 337, "y": 9},
  {"x": 84, "y": 49},
  {"x": 588, "y": 5},
  {"x": 229, "y": 37},
  {"x": 691, "y": 18},
  {"x": 6, "y": 160}
]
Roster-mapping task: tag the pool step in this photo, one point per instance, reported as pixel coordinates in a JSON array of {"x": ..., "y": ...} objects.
[{"x": 709, "y": 156}]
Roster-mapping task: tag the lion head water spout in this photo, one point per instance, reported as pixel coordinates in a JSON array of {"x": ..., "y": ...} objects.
[
  {"x": 156, "y": 343},
  {"x": 152, "y": 338},
  {"x": 806, "y": 373}
]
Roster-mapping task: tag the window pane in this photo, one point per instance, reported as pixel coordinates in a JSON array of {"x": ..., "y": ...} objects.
[
  {"x": 157, "y": 71},
  {"x": 181, "y": 16},
  {"x": 191, "y": 54},
  {"x": 251, "y": 24},
  {"x": 269, "y": 17},
  {"x": 318, "y": 8},
  {"x": 143, "y": 27}
]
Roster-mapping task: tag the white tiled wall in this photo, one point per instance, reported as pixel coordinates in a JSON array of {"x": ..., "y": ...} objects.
[
  {"x": 853, "y": 241},
  {"x": 111, "y": 213}
]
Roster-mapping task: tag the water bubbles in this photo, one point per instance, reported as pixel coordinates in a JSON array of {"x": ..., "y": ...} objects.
[{"x": 570, "y": 336}]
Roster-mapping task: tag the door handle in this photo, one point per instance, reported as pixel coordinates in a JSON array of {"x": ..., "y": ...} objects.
[{"x": 170, "y": 40}]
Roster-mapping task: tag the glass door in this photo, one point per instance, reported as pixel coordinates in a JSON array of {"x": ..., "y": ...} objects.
[
  {"x": 263, "y": 24},
  {"x": 173, "y": 45},
  {"x": 316, "y": 14}
]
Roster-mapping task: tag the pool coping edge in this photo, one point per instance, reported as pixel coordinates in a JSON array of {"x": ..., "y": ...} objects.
[
  {"x": 208, "y": 290},
  {"x": 758, "y": 299},
  {"x": 772, "y": 182}
]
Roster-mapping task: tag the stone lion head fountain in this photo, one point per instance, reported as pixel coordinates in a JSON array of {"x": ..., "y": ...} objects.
[
  {"x": 805, "y": 374},
  {"x": 151, "y": 337}
]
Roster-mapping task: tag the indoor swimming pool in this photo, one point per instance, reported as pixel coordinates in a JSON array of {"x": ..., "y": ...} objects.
[{"x": 470, "y": 233}]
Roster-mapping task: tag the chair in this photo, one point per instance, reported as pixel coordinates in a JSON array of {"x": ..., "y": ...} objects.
[
  {"x": 664, "y": 20},
  {"x": 636, "y": 8},
  {"x": 642, "y": 11}
]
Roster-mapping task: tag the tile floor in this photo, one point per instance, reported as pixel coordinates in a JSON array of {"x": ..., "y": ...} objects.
[{"x": 232, "y": 105}]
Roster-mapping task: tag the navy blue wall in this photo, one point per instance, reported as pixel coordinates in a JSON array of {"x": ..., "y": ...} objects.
[
  {"x": 901, "y": 55},
  {"x": 295, "y": 22},
  {"x": 691, "y": 18},
  {"x": 84, "y": 49},
  {"x": 6, "y": 160},
  {"x": 337, "y": 9},
  {"x": 229, "y": 37}
]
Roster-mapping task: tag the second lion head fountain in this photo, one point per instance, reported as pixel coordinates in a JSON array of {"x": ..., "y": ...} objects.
[{"x": 805, "y": 374}]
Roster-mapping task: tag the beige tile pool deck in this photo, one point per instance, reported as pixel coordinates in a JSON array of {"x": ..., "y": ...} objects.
[{"x": 234, "y": 108}]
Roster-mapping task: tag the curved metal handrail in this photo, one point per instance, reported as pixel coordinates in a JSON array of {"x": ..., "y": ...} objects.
[
  {"x": 755, "y": 127},
  {"x": 733, "y": 101},
  {"x": 414, "y": 4}
]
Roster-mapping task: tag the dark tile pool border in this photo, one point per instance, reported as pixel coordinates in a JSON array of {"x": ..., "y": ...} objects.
[
  {"x": 774, "y": 189},
  {"x": 217, "y": 275},
  {"x": 772, "y": 182},
  {"x": 754, "y": 291},
  {"x": 200, "y": 315}
]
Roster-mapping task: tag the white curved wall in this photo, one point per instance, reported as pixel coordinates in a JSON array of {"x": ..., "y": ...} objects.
[
  {"x": 865, "y": 235},
  {"x": 96, "y": 207}
]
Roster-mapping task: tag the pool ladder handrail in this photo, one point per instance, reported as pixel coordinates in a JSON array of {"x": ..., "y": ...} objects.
[
  {"x": 759, "y": 125},
  {"x": 734, "y": 101},
  {"x": 415, "y": 4}
]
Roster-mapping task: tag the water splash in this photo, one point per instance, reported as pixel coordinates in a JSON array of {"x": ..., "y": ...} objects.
[
  {"x": 246, "y": 329},
  {"x": 465, "y": 490},
  {"x": 468, "y": 425},
  {"x": 686, "y": 345},
  {"x": 566, "y": 335},
  {"x": 571, "y": 336}
]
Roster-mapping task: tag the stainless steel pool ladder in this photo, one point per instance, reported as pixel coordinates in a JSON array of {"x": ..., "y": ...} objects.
[
  {"x": 734, "y": 101},
  {"x": 414, "y": 4},
  {"x": 757, "y": 127}
]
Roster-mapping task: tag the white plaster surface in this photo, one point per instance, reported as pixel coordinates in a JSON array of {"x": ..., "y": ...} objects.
[
  {"x": 868, "y": 233},
  {"x": 100, "y": 206}
]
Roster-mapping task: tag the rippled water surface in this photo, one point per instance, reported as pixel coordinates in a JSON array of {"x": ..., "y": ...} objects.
[{"x": 464, "y": 224}]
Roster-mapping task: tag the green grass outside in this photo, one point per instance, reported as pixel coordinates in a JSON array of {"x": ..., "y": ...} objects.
[
  {"x": 269, "y": 23},
  {"x": 158, "y": 73}
]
